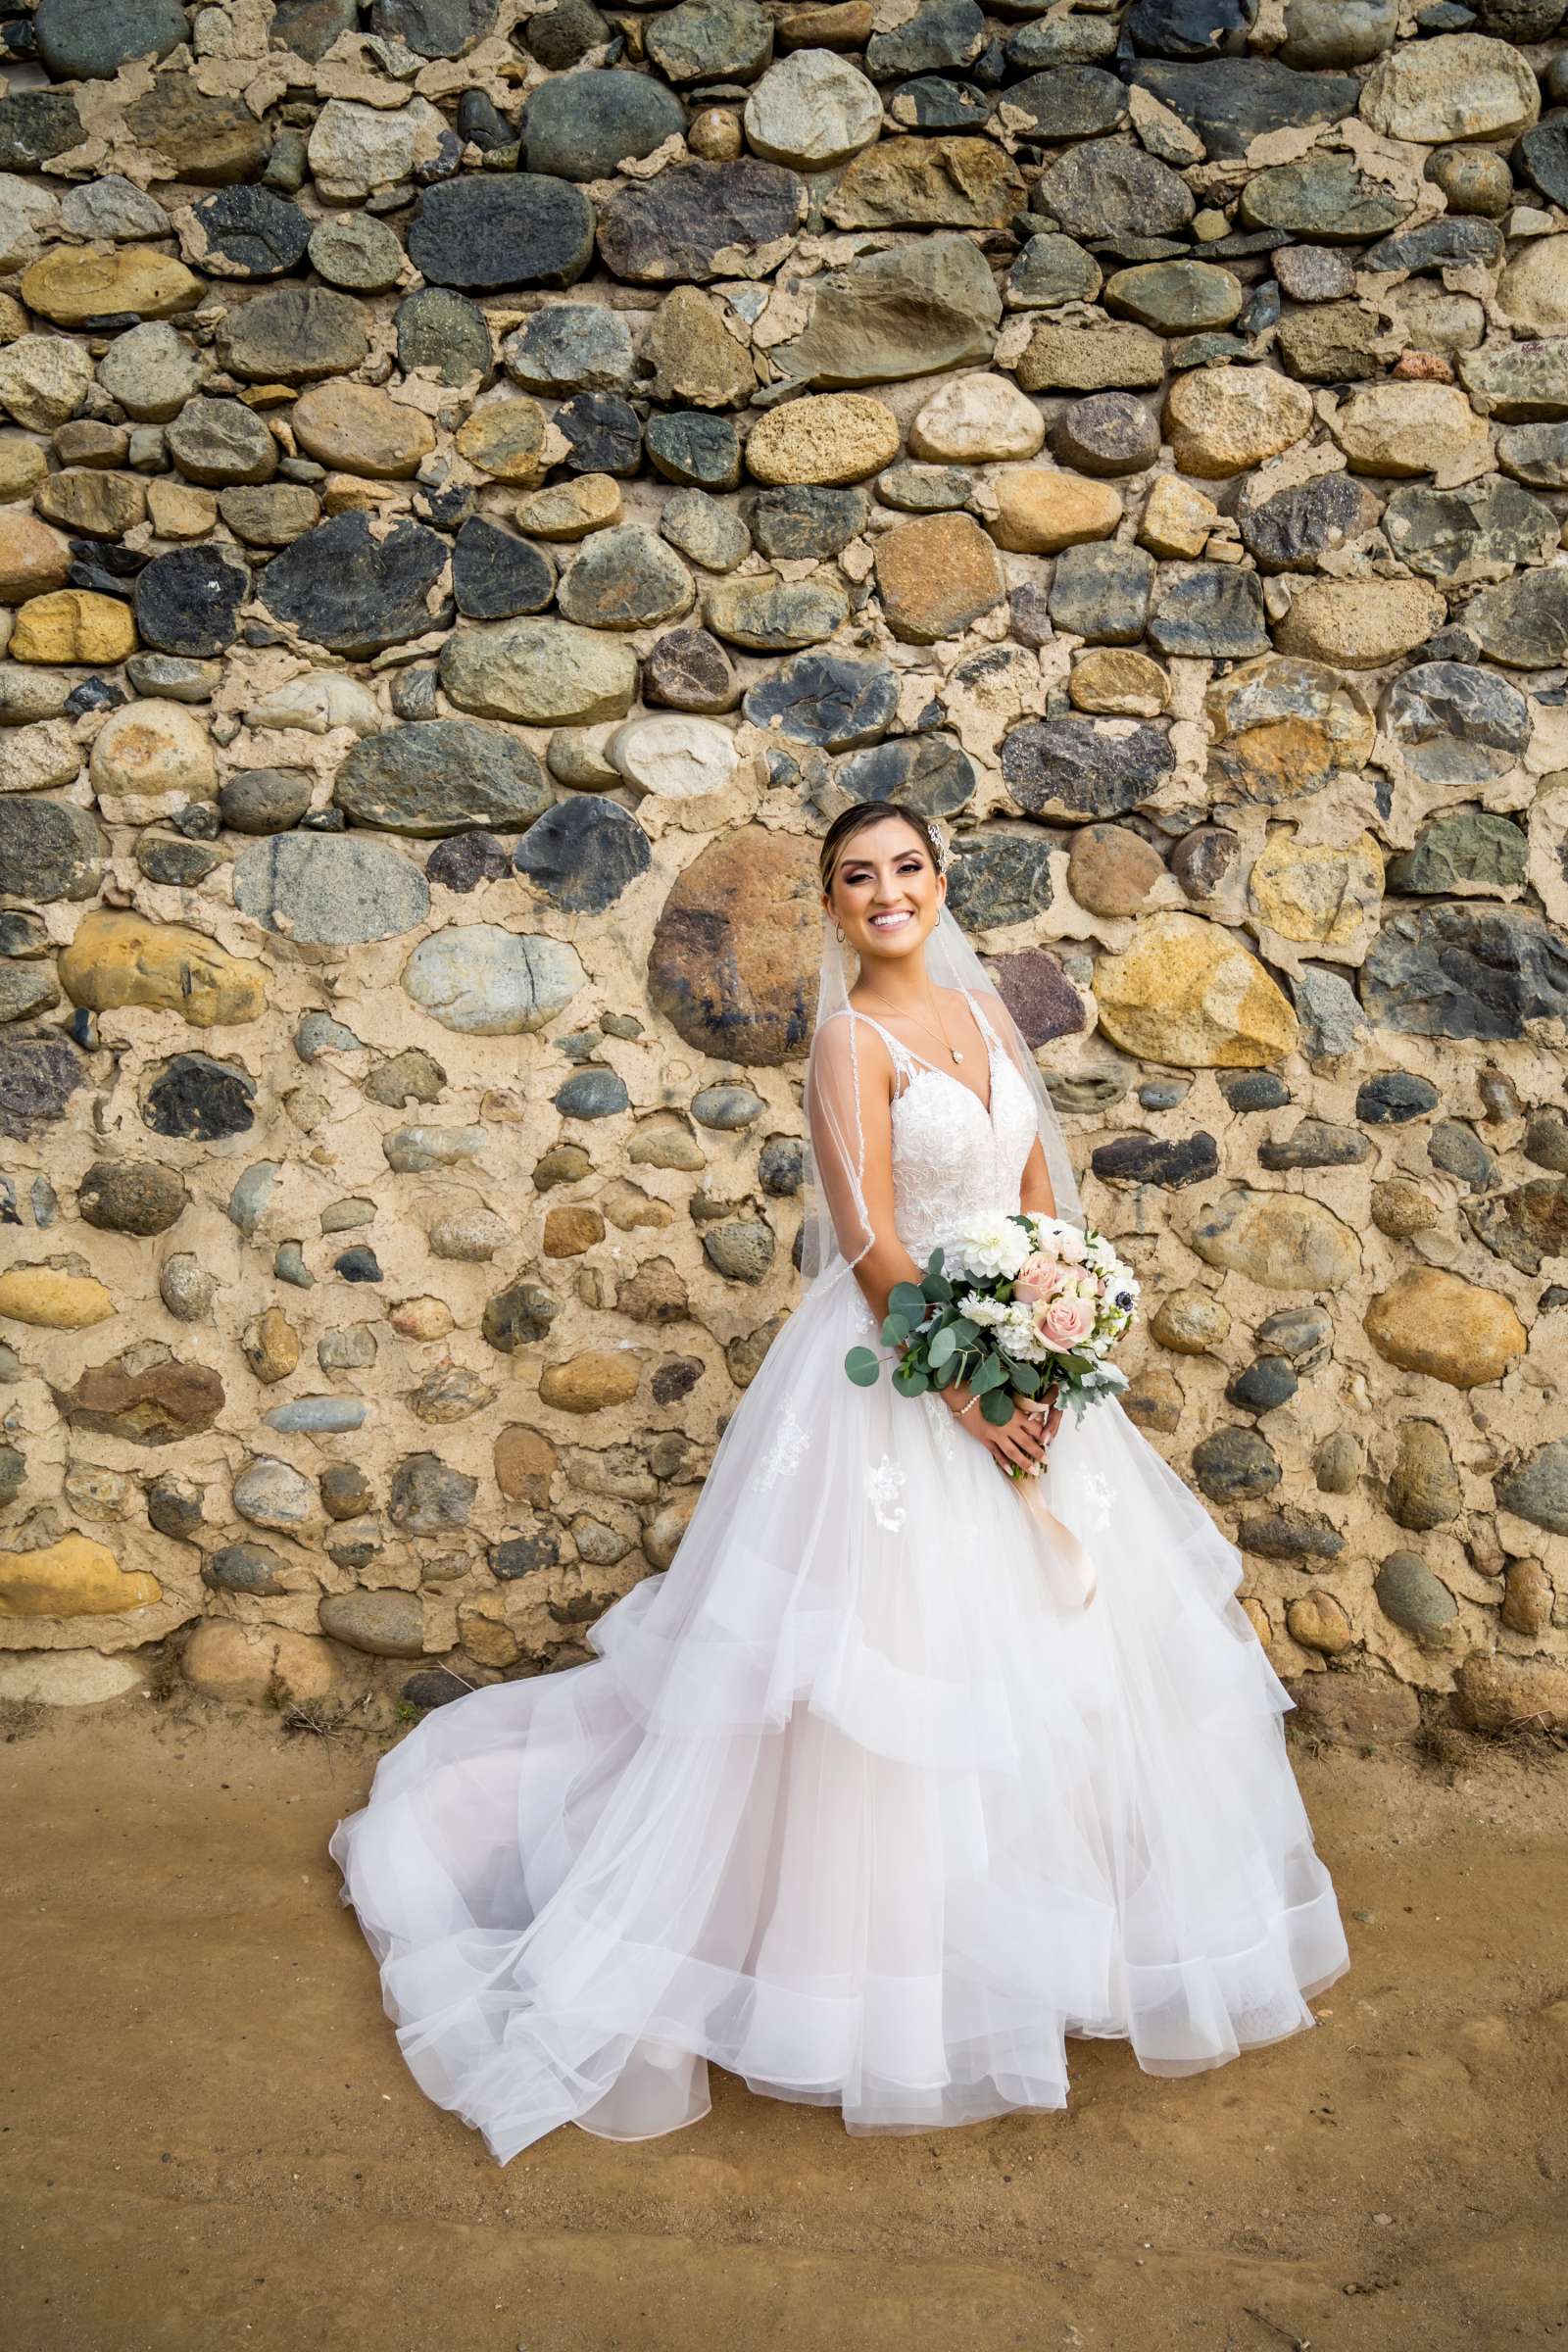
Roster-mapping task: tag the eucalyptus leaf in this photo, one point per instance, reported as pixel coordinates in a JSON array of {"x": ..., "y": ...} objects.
[
  {"x": 988, "y": 1374},
  {"x": 862, "y": 1367},
  {"x": 910, "y": 1381},
  {"x": 941, "y": 1346},
  {"x": 895, "y": 1331},
  {"x": 997, "y": 1407},
  {"x": 907, "y": 1299}
]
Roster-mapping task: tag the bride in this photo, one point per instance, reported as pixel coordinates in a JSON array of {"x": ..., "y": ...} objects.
[{"x": 894, "y": 1780}]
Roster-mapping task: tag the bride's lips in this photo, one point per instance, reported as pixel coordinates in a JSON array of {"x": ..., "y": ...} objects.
[{"x": 893, "y": 921}]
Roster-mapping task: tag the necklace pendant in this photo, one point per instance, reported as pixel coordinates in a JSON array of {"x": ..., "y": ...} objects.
[{"x": 953, "y": 1050}]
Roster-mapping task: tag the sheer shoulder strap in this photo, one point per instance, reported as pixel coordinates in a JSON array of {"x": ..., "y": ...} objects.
[{"x": 904, "y": 1062}]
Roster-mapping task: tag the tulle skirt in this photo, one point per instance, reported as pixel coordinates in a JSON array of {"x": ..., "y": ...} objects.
[{"x": 856, "y": 1799}]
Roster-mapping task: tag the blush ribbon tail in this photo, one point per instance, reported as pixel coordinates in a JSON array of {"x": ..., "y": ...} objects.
[{"x": 1079, "y": 1573}]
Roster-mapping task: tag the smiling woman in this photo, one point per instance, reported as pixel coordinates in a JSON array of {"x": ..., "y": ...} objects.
[{"x": 894, "y": 1778}]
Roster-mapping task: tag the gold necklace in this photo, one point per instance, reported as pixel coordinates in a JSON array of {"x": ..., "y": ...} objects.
[{"x": 906, "y": 1016}]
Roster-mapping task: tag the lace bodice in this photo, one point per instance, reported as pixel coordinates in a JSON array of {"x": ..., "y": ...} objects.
[{"x": 953, "y": 1156}]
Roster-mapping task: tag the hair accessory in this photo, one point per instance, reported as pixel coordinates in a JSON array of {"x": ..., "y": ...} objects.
[{"x": 940, "y": 849}]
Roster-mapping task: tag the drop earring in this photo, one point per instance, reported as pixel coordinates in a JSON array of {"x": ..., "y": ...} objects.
[{"x": 839, "y": 928}]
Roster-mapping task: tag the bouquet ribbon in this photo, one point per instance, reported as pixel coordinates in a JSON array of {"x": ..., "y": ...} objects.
[{"x": 1078, "y": 1577}]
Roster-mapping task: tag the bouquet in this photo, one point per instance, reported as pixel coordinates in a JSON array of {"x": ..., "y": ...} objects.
[{"x": 1017, "y": 1305}]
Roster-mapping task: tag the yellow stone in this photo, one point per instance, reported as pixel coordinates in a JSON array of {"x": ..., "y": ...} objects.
[
  {"x": 361, "y": 429},
  {"x": 1359, "y": 625},
  {"x": 75, "y": 625},
  {"x": 526, "y": 1464},
  {"x": 571, "y": 510},
  {"x": 1222, "y": 420},
  {"x": 22, "y": 465},
  {"x": 181, "y": 512},
  {"x": 585, "y": 1383},
  {"x": 571, "y": 1229},
  {"x": 1188, "y": 992},
  {"x": 72, "y": 285},
  {"x": 1318, "y": 1622},
  {"x": 828, "y": 438},
  {"x": 74, "y": 1578},
  {"x": 506, "y": 440},
  {"x": 1177, "y": 519},
  {"x": 1459, "y": 1332},
  {"x": 1118, "y": 682},
  {"x": 1321, "y": 894},
  {"x": 150, "y": 749},
  {"x": 936, "y": 575},
  {"x": 1040, "y": 511},
  {"x": 53, "y": 1300},
  {"x": 247, "y": 1664},
  {"x": 118, "y": 958}
]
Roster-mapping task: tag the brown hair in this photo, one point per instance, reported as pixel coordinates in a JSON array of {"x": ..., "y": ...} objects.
[{"x": 852, "y": 821}]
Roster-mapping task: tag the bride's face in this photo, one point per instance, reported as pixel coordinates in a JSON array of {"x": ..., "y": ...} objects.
[{"x": 886, "y": 892}]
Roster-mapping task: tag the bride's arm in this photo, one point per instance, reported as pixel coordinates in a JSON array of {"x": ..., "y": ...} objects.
[{"x": 850, "y": 1105}]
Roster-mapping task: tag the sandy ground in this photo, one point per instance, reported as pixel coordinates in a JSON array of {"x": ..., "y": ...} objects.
[{"x": 209, "y": 2141}]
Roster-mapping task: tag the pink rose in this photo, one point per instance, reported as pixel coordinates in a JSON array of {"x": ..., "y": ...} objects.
[
  {"x": 1036, "y": 1276},
  {"x": 1065, "y": 1322}
]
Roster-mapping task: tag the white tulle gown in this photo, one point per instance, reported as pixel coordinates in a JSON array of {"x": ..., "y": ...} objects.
[{"x": 856, "y": 1799}]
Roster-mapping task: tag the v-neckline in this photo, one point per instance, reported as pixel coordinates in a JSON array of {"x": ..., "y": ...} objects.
[{"x": 988, "y": 1042}]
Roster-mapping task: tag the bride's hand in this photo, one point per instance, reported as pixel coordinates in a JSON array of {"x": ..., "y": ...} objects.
[{"x": 1022, "y": 1442}]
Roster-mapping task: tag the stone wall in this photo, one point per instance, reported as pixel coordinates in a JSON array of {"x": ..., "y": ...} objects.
[{"x": 483, "y": 484}]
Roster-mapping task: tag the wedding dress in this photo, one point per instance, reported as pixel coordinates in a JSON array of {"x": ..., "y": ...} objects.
[{"x": 859, "y": 1799}]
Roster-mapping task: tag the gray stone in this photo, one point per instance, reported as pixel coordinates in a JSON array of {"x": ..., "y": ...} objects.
[
  {"x": 483, "y": 981},
  {"x": 343, "y": 587},
  {"x": 1304, "y": 1334},
  {"x": 1108, "y": 433},
  {"x": 89, "y": 40},
  {"x": 563, "y": 35},
  {"x": 539, "y": 672},
  {"x": 1314, "y": 272},
  {"x": 437, "y": 328},
  {"x": 1325, "y": 197},
  {"x": 173, "y": 678},
  {"x": 1536, "y": 454},
  {"x": 1264, "y": 1386},
  {"x": 593, "y": 1094},
  {"x": 807, "y": 522},
  {"x": 928, "y": 773},
  {"x": 330, "y": 890},
  {"x": 583, "y": 853},
  {"x": 1067, "y": 102},
  {"x": 1518, "y": 383},
  {"x": 317, "y": 1416},
  {"x": 700, "y": 451},
  {"x": 1411, "y": 1596},
  {"x": 1234, "y": 101},
  {"x": 49, "y": 850},
  {"x": 1236, "y": 1465},
  {"x": 1292, "y": 531},
  {"x": 625, "y": 579},
  {"x": 1175, "y": 298},
  {"x": 264, "y": 800},
  {"x": 1100, "y": 592},
  {"x": 584, "y": 126},
  {"x": 273, "y": 1493},
  {"x": 1208, "y": 611},
  {"x": 1111, "y": 188},
  {"x": 1546, "y": 1138},
  {"x": 427, "y": 1497},
  {"x": 1464, "y": 846},
  {"x": 1393, "y": 1096},
  {"x": 1049, "y": 271},
  {"x": 741, "y": 1249},
  {"x": 294, "y": 336},
  {"x": 683, "y": 225},
  {"x": 1075, "y": 40},
  {"x": 572, "y": 347},
  {"x": 1537, "y": 1488},
  {"x": 1450, "y": 242},
  {"x": 825, "y": 699},
  {"x": 1467, "y": 970},
  {"x": 710, "y": 40},
  {"x": 496, "y": 575},
  {"x": 938, "y": 34},
  {"x": 922, "y": 307},
  {"x": 604, "y": 431},
  {"x": 356, "y": 252},
  {"x": 1316, "y": 1144},
  {"x": 709, "y": 533},
  {"x": 1476, "y": 534},
  {"x": 446, "y": 775},
  {"x": 383, "y": 1625},
  {"x": 216, "y": 442},
  {"x": 1338, "y": 33},
  {"x": 924, "y": 489},
  {"x": 765, "y": 615},
  {"x": 1522, "y": 622},
  {"x": 494, "y": 229},
  {"x": 1078, "y": 771},
  {"x": 1002, "y": 877},
  {"x": 1455, "y": 723},
  {"x": 1458, "y": 1152}
]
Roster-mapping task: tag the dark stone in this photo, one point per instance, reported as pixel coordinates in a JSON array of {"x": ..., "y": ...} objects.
[
  {"x": 701, "y": 452},
  {"x": 1316, "y": 1144},
  {"x": 195, "y": 1097},
  {"x": 437, "y": 328},
  {"x": 1544, "y": 153},
  {"x": 1191, "y": 28},
  {"x": 1077, "y": 770},
  {"x": 1254, "y": 1089},
  {"x": 415, "y": 694},
  {"x": 931, "y": 103},
  {"x": 38, "y": 1075},
  {"x": 445, "y": 775},
  {"x": 293, "y": 335},
  {"x": 1450, "y": 535},
  {"x": 1100, "y": 592},
  {"x": 1068, "y": 102},
  {"x": 584, "y": 126},
  {"x": 165, "y": 857},
  {"x": 688, "y": 669},
  {"x": 1291, "y": 1535},
  {"x": 435, "y": 28},
  {"x": 1303, "y": 1334},
  {"x": 517, "y": 1318},
  {"x": 583, "y": 853},
  {"x": 675, "y": 226},
  {"x": 245, "y": 1568},
  {"x": 496, "y": 575},
  {"x": 1203, "y": 857},
  {"x": 604, "y": 431},
  {"x": 36, "y": 126},
  {"x": 1109, "y": 188},
  {"x": 493, "y": 229},
  {"x": 427, "y": 1495},
  {"x": 309, "y": 27},
  {"x": 781, "y": 1166},
  {"x": 1108, "y": 433},
  {"x": 1522, "y": 621},
  {"x": 1076, "y": 40},
  {"x": 1465, "y": 845},
  {"x": 1049, "y": 271},
  {"x": 1525, "y": 1226},
  {"x": 1393, "y": 1096},
  {"x": 1454, "y": 240},
  {"x": 89, "y": 40},
  {"x": 1040, "y": 997},
  {"x": 825, "y": 699},
  {"x": 1172, "y": 1164},
  {"x": 359, "y": 1264},
  {"x": 1232, "y": 103},
  {"x": 1295, "y": 527},
  {"x": 1465, "y": 969},
  {"x": 1264, "y": 1386},
  {"x": 563, "y": 35},
  {"x": 807, "y": 522},
  {"x": 49, "y": 849},
  {"x": 1208, "y": 611},
  {"x": 188, "y": 602},
  {"x": 1002, "y": 875},
  {"x": 929, "y": 774},
  {"x": 710, "y": 40},
  {"x": 1235, "y": 1465},
  {"x": 1455, "y": 723},
  {"x": 591, "y": 1094},
  {"x": 342, "y": 587},
  {"x": 264, "y": 800},
  {"x": 251, "y": 233},
  {"x": 938, "y": 35},
  {"x": 93, "y": 694},
  {"x": 481, "y": 125},
  {"x": 1325, "y": 197},
  {"x": 1537, "y": 1488},
  {"x": 1458, "y": 1152},
  {"x": 463, "y": 860},
  {"x": 524, "y": 1555}
]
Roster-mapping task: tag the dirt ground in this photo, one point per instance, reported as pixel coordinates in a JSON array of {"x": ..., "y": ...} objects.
[{"x": 208, "y": 2141}]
